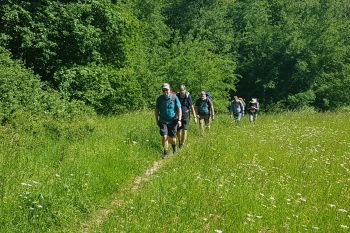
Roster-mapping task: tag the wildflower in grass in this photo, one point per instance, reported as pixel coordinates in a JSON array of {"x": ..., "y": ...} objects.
[
  {"x": 315, "y": 228},
  {"x": 57, "y": 175},
  {"x": 342, "y": 210},
  {"x": 218, "y": 231},
  {"x": 40, "y": 206},
  {"x": 331, "y": 205},
  {"x": 272, "y": 198},
  {"x": 344, "y": 226},
  {"x": 26, "y": 184}
]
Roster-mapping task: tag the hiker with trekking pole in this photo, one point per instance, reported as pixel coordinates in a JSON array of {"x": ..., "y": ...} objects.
[{"x": 168, "y": 117}]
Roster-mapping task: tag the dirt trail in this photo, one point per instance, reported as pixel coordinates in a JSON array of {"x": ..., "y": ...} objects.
[{"x": 101, "y": 214}]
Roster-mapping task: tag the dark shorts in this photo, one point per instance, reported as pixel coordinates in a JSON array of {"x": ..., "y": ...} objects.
[
  {"x": 185, "y": 123},
  {"x": 168, "y": 129},
  {"x": 204, "y": 119}
]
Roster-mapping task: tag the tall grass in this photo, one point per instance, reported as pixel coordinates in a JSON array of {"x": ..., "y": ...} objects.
[
  {"x": 54, "y": 174},
  {"x": 286, "y": 173}
]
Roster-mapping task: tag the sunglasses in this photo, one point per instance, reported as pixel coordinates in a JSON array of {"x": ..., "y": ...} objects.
[{"x": 164, "y": 90}]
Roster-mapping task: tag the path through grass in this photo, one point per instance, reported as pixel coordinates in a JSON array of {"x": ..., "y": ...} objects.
[{"x": 287, "y": 173}]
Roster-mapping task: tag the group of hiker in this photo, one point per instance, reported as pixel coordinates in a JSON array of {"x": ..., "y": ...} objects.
[
  {"x": 173, "y": 112},
  {"x": 238, "y": 107}
]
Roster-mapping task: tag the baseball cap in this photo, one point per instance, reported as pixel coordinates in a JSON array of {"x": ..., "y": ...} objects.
[{"x": 166, "y": 86}]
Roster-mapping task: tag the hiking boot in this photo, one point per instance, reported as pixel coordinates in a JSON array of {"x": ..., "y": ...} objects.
[
  {"x": 165, "y": 154},
  {"x": 174, "y": 148}
]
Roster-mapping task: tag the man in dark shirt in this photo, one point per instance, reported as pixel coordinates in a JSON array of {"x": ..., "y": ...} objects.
[{"x": 186, "y": 107}]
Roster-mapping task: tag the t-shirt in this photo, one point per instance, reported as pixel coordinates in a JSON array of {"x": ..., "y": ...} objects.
[
  {"x": 203, "y": 106},
  {"x": 186, "y": 104},
  {"x": 167, "y": 108},
  {"x": 237, "y": 107}
]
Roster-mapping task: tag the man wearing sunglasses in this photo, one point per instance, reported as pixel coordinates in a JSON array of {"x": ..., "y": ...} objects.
[{"x": 168, "y": 117}]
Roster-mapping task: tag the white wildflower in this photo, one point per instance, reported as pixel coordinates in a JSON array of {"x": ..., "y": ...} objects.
[
  {"x": 218, "y": 231},
  {"x": 331, "y": 205},
  {"x": 344, "y": 226},
  {"x": 342, "y": 210}
]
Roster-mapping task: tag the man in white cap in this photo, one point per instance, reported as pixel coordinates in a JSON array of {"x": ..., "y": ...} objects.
[
  {"x": 253, "y": 108},
  {"x": 186, "y": 107},
  {"x": 168, "y": 117}
]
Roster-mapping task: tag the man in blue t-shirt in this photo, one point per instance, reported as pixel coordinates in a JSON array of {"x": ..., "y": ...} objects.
[
  {"x": 186, "y": 108},
  {"x": 237, "y": 109},
  {"x": 168, "y": 117}
]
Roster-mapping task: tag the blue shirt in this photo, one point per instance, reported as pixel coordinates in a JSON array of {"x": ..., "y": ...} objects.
[
  {"x": 167, "y": 107},
  {"x": 237, "y": 107}
]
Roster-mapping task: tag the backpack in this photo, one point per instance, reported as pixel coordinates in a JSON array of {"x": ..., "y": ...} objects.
[
  {"x": 209, "y": 96},
  {"x": 203, "y": 106}
]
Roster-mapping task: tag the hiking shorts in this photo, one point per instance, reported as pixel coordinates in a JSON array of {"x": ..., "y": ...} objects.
[
  {"x": 169, "y": 129},
  {"x": 204, "y": 119},
  {"x": 185, "y": 123}
]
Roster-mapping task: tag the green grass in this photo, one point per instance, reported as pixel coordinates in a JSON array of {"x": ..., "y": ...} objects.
[
  {"x": 54, "y": 176},
  {"x": 286, "y": 173}
]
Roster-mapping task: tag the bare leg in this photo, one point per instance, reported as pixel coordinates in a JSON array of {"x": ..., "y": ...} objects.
[
  {"x": 180, "y": 136},
  {"x": 165, "y": 142},
  {"x": 183, "y": 136}
]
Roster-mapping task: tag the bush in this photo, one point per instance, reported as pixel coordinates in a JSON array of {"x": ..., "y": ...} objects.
[{"x": 23, "y": 94}]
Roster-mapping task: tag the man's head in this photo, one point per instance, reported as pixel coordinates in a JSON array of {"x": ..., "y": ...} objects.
[
  {"x": 254, "y": 100},
  {"x": 235, "y": 98},
  {"x": 166, "y": 89},
  {"x": 203, "y": 95},
  {"x": 182, "y": 90}
]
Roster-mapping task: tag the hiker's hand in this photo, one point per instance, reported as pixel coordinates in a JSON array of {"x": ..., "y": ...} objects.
[
  {"x": 195, "y": 120},
  {"x": 179, "y": 123},
  {"x": 212, "y": 117}
]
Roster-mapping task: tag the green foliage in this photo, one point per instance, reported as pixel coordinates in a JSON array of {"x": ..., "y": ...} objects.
[
  {"x": 287, "y": 53},
  {"x": 24, "y": 96},
  {"x": 196, "y": 66},
  {"x": 105, "y": 88}
]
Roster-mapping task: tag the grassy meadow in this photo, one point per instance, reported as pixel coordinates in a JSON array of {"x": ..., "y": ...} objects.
[
  {"x": 286, "y": 173},
  {"x": 55, "y": 174}
]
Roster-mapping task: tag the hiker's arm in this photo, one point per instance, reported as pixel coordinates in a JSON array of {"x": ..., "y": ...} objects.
[
  {"x": 156, "y": 114},
  {"x": 178, "y": 111},
  {"x": 212, "y": 111},
  {"x": 194, "y": 113}
]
